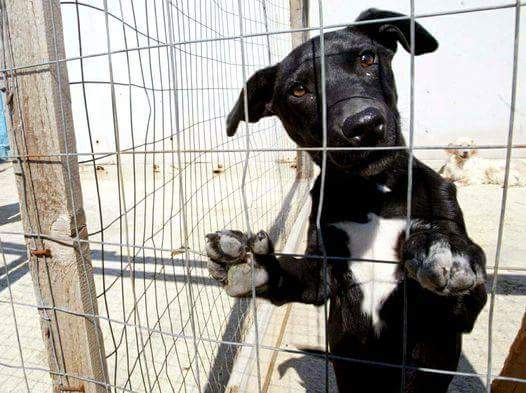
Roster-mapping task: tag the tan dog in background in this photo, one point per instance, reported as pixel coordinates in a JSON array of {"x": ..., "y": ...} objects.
[{"x": 465, "y": 167}]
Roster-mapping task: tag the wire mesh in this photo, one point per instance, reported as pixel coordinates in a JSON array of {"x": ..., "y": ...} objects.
[
  {"x": 148, "y": 212},
  {"x": 150, "y": 93}
]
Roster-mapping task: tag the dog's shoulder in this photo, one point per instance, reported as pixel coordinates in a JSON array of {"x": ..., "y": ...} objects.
[
  {"x": 426, "y": 178},
  {"x": 433, "y": 192}
]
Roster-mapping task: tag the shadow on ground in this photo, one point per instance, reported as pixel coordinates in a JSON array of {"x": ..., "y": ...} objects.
[
  {"x": 9, "y": 213},
  {"x": 311, "y": 371},
  {"x": 17, "y": 267},
  {"x": 462, "y": 384}
]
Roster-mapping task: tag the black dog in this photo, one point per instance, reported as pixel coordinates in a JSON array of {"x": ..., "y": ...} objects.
[{"x": 363, "y": 217}]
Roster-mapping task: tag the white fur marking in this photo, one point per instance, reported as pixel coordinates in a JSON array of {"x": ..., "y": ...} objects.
[
  {"x": 462, "y": 260},
  {"x": 383, "y": 188},
  {"x": 439, "y": 252},
  {"x": 375, "y": 240}
]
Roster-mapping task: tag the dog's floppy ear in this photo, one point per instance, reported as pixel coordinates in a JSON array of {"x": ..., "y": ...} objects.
[
  {"x": 260, "y": 88},
  {"x": 391, "y": 32}
]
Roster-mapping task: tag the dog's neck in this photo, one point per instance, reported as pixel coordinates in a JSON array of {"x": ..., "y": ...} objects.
[
  {"x": 383, "y": 166},
  {"x": 384, "y": 171}
]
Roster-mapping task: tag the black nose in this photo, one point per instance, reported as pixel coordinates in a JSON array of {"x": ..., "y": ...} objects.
[{"x": 366, "y": 126}]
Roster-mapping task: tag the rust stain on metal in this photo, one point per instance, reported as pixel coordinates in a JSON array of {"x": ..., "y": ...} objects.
[
  {"x": 42, "y": 252},
  {"x": 71, "y": 388}
]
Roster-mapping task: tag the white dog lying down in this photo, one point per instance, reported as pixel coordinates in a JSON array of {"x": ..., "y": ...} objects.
[{"x": 465, "y": 167}]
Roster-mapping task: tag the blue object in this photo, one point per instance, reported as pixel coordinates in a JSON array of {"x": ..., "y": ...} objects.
[{"x": 4, "y": 142}]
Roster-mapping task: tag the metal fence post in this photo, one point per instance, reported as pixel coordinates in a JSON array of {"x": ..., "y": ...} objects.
[
  {"x": 299, "y": 18},
  {"x": 42, "y": 137}
]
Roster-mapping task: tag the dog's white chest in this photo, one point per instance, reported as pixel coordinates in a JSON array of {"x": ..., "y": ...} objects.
[{"x": 375, "y": 240}]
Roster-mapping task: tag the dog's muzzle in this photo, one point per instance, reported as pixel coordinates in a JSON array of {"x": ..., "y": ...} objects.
[{"x": 366, "y": 127}]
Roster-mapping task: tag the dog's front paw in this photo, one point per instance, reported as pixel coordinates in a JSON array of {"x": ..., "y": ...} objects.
[
  {"x": 440, "y": 267},
  {"x": 227, "y": 246},
  {"x": 231, "y": 264}
]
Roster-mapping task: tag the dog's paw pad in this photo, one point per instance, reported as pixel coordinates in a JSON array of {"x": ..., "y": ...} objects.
[
  {"x": 432, "y": 276},
  {"x": 461, "y": 277},
  {"x": 260, "y": 243},
  {"x": 442, "y": 271},
  {"x": 240, "y": 279},
  {"x": 230, "y": 263},
  {"x": 226, "y": 246}
]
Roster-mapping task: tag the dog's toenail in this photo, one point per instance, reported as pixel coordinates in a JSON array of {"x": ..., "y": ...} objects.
[{"x": 211, "y": 236}]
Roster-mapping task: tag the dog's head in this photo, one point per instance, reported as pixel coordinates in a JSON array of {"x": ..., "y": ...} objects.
[
  {"x": 464, "y": 149},
  {"x": 360, "y": 90}
]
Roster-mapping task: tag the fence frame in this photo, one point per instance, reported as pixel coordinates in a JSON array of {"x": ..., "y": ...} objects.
[{"x": 46, "y": 167}]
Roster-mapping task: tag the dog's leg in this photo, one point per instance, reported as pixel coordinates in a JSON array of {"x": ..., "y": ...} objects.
[
  {"x": 450, "y": 265},
  {"x": 439, "y": 255},
  {"x": 281, "y": 280}
]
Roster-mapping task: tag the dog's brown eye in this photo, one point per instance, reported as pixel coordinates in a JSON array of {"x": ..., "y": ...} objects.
[
  {"x": 298, "y": 90},
  {"x": 367, "y": 59}
]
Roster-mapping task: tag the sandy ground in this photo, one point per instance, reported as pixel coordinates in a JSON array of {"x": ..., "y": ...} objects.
[
  {"x": 168, "y": 363},
  {"x": 146, "y": 360}
]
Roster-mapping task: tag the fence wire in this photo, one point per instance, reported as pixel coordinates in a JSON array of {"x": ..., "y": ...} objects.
[{"x": 151, "y": 83}]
